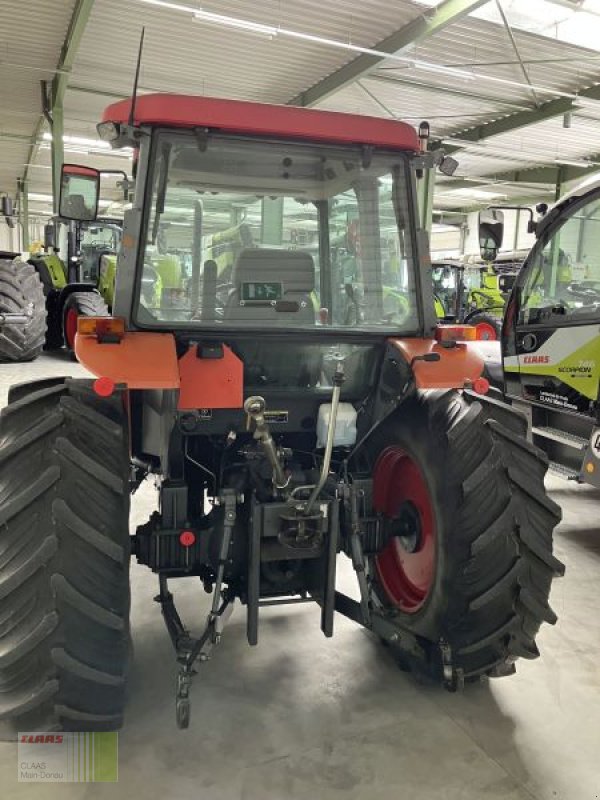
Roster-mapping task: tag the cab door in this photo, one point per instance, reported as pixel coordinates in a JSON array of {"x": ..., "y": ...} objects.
[{"x": 552, "y": 354}]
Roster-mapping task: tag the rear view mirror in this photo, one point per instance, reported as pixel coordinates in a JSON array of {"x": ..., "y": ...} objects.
[
  {"x": 491, "y": 232},
  {"x": 79, "y": 193},
  {"x": 49, "y": 236}
]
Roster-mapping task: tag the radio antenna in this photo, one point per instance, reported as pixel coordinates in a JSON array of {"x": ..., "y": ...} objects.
[{"x": 135, "y": 80}]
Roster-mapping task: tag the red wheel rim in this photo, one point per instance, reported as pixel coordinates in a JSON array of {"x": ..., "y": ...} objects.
[
  {"x": 486, "y": 332},
  {"x": 406, "y": 567},
  {"x": 71, "y": 327}
]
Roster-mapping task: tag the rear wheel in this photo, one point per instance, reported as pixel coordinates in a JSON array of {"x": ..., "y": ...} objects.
[
  {"x": 468, "y": 562},
  {"x": 64, "y": 558},
  {"x": 21, "y": 292},
  {"x": 81, "y": 304}
]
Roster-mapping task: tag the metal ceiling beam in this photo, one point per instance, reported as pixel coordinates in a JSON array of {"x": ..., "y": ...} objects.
[
  {"x": 77, "y": 25},
  {"x": 35, "y": 137},
  {"x": 497, "y": 180},
  {"x": 544, "y": 175},
  {"x": 79, "y": 19},
  {"x": 417, "y": 30},
  {"x": 515, "y": 47},
  {"x": 16, "y": 137},
  {"x": 463, "y": 94},
  {"x": 548, "y": 174},
  {"x": 522, "y": 119}
]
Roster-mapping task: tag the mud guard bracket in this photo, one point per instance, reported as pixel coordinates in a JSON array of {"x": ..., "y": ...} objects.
[{"x": 210, "y": 378}]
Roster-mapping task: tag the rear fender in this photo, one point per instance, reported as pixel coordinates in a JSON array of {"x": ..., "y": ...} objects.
[
  {"x": 206, "y": 376},
  {"x": 457, "y": 368}
]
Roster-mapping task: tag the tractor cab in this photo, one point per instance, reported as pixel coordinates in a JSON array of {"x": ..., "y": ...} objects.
[
  {"x": 551, "y": 336},
  {"x": 260, "y": 239},
  {"x": 94, "y": 240},
  {"x": 448, "y": 289}
]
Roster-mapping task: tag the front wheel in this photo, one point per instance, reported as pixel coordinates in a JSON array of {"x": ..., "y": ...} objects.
[{"x": 467, "y": 564}]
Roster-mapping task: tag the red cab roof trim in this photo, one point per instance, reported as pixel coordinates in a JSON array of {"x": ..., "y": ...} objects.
[{"x": 237, "y": 116}]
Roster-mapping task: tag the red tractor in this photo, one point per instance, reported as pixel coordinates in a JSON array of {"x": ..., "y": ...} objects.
[{"x": 284, "y": 431}]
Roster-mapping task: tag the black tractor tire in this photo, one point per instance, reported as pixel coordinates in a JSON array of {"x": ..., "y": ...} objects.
[
  {"x": 64, "y": 558},
  {"x": 493, "y": 561},
  {"x": 21, "y": 292},
  {"x": 489, "y": 320},
  {"x": 54, "y": 323},
  {"x": 81, "y": 304}
]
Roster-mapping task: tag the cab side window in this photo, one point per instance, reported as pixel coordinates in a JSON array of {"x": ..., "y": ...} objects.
[{"x": 563, "y": 284}]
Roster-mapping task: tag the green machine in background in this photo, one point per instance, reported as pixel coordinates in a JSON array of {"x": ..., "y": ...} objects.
[
  {"x": 83, "y": 283},
  {"x": 551, "y": 334},
  {"x": 475, "y": 293}
]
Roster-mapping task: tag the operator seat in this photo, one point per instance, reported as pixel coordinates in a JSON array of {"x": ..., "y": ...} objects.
[
  {"x": 293, "y": 269},
  {"x": 75, "y": 207}
]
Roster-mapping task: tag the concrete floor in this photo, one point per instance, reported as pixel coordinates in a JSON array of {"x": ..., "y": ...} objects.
[{"x": 305, "y": 717}]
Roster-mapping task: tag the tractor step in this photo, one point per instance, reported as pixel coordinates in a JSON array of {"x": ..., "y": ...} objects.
[
  {"x": 568, "y": 439},
  {"x": 562, "y": 472}
]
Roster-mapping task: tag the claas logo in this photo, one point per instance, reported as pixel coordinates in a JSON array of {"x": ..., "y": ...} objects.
[
  {"x": 41, "y": 738},
  {"x": 536, "y": 359}
]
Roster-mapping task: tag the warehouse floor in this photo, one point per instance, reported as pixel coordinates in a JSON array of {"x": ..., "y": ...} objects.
[{"x": 305, "y": 717}]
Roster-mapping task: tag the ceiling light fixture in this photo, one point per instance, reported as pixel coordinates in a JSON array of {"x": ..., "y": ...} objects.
[
  {"x": 234, "y": 22},
  {"x": 80, "y": 140},
  {"x": 272, "y": 31}
]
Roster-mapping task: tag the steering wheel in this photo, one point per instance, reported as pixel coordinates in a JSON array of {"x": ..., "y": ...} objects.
[{"x": 584, "y": 292}]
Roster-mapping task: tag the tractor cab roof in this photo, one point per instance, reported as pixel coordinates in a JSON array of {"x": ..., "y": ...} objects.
[{"x": 260, "y": 119}]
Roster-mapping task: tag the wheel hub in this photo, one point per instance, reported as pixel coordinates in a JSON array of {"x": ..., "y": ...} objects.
[
  {"x": 406, "y": 565},
  {"x": 407, "y": 527}
]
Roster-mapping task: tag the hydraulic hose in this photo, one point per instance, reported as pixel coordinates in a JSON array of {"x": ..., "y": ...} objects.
[{"x": 338, "y": 380}]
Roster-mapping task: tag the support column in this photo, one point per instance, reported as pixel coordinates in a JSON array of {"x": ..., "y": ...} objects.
[
  {"x": 425, "y": 190},
  {"x": 517, "y": 223},
  {"x": 236, "y": 215},
  {"x": 560, "y": 176},
  {"x": 464, "y": 229},
  {"x": 272, "y": 221},
  {"x": 57, "y": 152},
  {"x": 24, "y": 214}
]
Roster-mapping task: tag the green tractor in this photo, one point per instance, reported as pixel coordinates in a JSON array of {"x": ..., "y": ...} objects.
[
  {"x": 72, "y": 286},
  {"x": 474, "y": 294}
]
